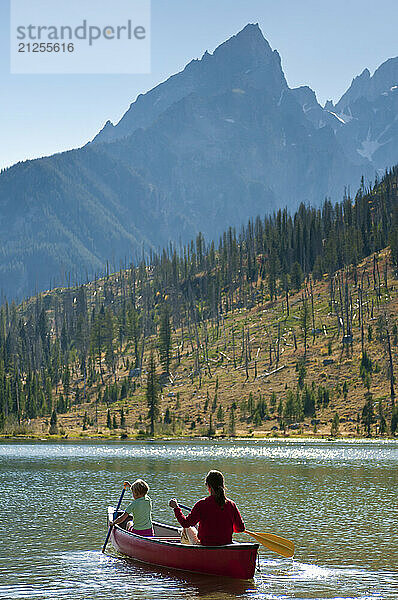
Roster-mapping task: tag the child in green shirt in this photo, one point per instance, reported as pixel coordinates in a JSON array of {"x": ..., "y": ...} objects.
[{"x": 140, "y": 509}]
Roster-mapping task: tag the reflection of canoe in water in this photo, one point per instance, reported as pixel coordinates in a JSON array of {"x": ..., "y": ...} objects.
[{"x": 236, "y": 560}]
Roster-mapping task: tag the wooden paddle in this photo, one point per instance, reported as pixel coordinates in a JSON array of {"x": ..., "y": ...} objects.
[
  {"x": 271, "y": 541},
  {"x": 110, "y": 526}
]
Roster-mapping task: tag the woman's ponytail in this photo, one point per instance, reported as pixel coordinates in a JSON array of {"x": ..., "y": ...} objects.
[{"x": 215, "y": 480}]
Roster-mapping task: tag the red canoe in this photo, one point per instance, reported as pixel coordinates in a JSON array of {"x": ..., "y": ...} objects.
[{"x": 236, "y": 560}]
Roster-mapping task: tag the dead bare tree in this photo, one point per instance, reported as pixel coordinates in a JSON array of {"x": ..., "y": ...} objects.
[{"x": 383, "y": 330}]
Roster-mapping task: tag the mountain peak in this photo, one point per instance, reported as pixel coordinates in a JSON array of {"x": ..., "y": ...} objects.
[
  {"x": 364, "y": 75},
  {"x": 251, "y": 31},
  {"x": 371, "y": 87},
  {"x": 249, "y": 41},
  {"x": 245, "y": 61},
  {"x": 105, "y": 131},
  {"x": 358, "y": 88}
]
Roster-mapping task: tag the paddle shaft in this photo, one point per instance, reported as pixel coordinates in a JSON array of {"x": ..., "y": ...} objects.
[
  {"x": 269, "y": 540},
  {"x": 110, "y": 526}
]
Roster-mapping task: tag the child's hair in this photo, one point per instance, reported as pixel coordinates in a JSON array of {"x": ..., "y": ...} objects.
[
  {"x": 215, "y": 480},
  {"x": 140, "y": 487}
]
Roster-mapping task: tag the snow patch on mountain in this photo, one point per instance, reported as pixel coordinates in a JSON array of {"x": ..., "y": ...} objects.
[
  {"x": 337, "y": 116},
  {"x": 342, "y": 117}
]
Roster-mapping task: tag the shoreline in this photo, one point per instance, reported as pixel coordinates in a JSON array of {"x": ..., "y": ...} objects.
[{"x": 139, "y": 439}]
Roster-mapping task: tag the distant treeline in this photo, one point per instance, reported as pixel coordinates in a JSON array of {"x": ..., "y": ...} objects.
[{"x": 72, "y": 334}]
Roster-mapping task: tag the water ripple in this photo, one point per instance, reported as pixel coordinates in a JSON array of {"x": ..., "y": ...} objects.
[{"x": 336, "y": 500}]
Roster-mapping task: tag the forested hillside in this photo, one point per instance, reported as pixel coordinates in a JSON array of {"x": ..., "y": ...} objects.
[{"x": 286, "y": 325}]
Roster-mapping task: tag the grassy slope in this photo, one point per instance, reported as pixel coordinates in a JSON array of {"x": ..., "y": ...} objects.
[{"x": 186, "y": 398}]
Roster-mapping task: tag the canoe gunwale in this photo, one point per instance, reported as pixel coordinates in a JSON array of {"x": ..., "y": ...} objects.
[{"x": 155, "y": 540}]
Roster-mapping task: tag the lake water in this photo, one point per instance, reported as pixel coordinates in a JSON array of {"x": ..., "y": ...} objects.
[{"x": 337, "y": 501}]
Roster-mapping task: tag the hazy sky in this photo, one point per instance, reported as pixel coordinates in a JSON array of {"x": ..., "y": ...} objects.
[{"x": 322, "y": 44}]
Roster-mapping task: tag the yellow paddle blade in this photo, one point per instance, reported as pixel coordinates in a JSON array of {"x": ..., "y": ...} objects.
[{"x": 274, "y": 542}]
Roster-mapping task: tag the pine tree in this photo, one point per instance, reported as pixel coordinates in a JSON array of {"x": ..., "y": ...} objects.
[
  {"x": 167, "y": 417},
  {"x": 122, "y": 419},
  {"x": 152, "y": 393},
  {"x": 66, "y": 381},
  {"x": 232, "y": 424},
  {"x": 335, "y": 425},
  {"x": 302, "y": 372},
  {"x": 62, "y": 406},
  {"x": 211, "y": 430},
  {"x": 53, "y": 424},
  {"x": 296, "y": 276},
  {"x": 308, "y": 399}
]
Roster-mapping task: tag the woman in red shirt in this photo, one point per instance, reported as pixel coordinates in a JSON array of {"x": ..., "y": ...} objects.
[{"x": 218, "y": 517}]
